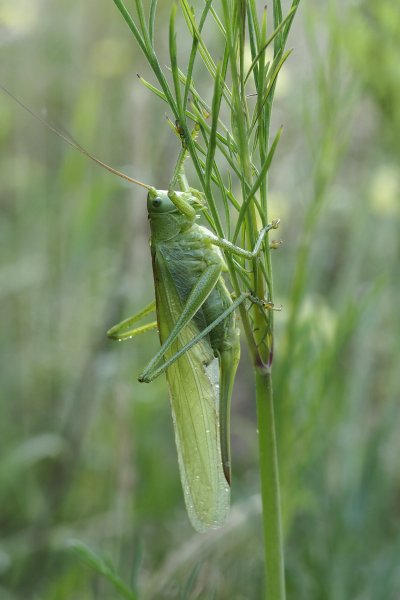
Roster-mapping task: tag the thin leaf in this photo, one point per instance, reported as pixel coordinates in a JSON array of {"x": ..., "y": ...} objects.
[
  {"x": 203, "y": 105},
  {"x": 289, "y": 16},
  {"x": 143, "y": 24},
  {"x": 103, "y": 567},
  {"x": 131, "y": 24},
  {"x": 271, "y": 78},
  {"x": 174, "y": 61},
  {"x": 216, "y": 105},
  {"x": 222, "y": 145},
  {"x": 254, "y": 189},
  {"x": 277, "y": 12},
  {"x": 152, "y": 17},
  {"x": 203, "y": 51},
  {"x": 153, "y": 89},
  {"x": 253, "y": 19},
  {"x": 195, "y": 44},
  {"x": 225, "y": 199},
  {"x": 253, "y": 35},
  {"x": 218, "y": 22},
  {"x": 260, "y": 139},
  {"x": 295, "y": 5},
  {"x": 148, "y": 51},
  {"x": 217, "y": 179}
]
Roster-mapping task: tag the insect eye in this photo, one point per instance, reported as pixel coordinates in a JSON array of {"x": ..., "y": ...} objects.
[{"x": 157, "y": 202}]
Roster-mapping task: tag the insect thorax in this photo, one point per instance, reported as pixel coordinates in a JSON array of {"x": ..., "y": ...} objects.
[{"x": 166, "y": 227}]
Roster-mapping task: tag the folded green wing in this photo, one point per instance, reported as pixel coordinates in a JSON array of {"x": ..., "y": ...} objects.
[{"x": 194, "y": 393}]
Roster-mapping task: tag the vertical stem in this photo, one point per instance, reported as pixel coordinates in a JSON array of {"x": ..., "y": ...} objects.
[{"x": 270, "y": 491}]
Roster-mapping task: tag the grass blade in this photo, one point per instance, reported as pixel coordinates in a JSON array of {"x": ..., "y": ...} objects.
[
  {"x": 103, "y": 567},
  {"x": 289, "y": 16},
  {"x": 152, "y": 16},
  {"x": 257, "y": 184}
]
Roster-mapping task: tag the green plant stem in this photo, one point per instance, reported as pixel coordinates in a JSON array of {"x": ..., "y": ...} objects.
[{"x": 270, "y": 491}]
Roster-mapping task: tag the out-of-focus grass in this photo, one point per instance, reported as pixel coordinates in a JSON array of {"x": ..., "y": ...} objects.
[{"x": 87, "y": 452}]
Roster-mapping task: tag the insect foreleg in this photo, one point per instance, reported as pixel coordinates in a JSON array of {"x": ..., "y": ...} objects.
[
  {"x": 158, "y": 371},
  {"x": 179, "y": 175},
  {"x": 233, "y": 249},
  {"x": 124, "y": 331},
  {"x": 181, "y": 201}
]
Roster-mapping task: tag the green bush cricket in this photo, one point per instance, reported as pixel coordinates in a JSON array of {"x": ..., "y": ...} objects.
[
  {"x": 200, "y": 347},
  {"x": 196, "y": 323}
]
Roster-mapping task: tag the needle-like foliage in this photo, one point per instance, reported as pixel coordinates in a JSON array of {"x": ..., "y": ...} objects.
[{"x": 231, "y": 154}]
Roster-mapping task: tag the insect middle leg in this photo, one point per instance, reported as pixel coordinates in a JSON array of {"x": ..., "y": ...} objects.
[{"x": 124, "y": 331}]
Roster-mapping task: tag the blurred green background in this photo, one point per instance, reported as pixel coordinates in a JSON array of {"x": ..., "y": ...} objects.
[{"x": 85, "y": 450}]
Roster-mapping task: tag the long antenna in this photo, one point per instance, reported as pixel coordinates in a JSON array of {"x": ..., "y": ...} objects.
[{"x": 73, "y": 143}]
